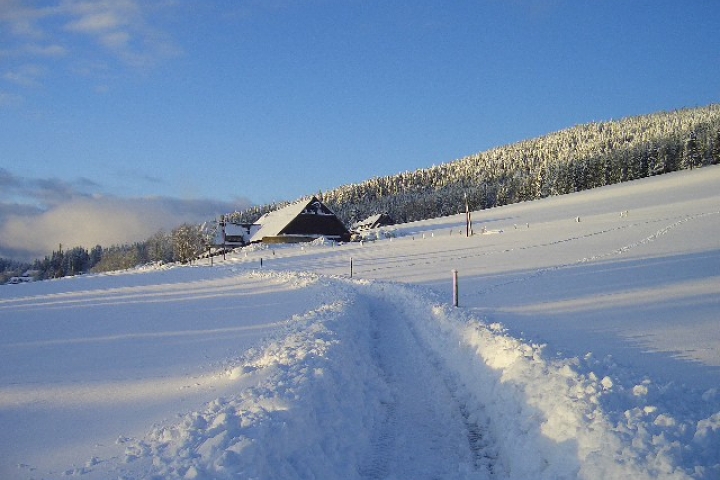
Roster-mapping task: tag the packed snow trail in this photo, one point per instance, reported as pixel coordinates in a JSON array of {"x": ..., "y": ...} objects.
[
  {"x": 425, "y": 431},
  {"x": 345, "y": 392}
]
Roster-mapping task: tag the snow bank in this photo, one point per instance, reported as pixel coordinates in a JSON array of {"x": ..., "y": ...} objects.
[
  {"x": 547, "y": 418},
  {"x": 309, "y": 387}
]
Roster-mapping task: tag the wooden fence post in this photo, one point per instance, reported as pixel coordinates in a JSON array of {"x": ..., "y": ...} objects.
[{"x": 455, "y": 288}]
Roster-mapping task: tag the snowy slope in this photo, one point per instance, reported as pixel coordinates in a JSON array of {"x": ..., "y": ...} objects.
[{"x": 586, "y": 345}]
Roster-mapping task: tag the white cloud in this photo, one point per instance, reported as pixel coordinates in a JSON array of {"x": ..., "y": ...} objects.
[
  {"x": 82, "y": 222},
  {"x": 123, "y": 28},
  {"x": 105, "y": 221},
  {"x": 51, "y": 50},
  {"x": 37, "y": 214},
  {"x": 10, "y": 99},
  {"x": 23, "y": 20},
  {"x": 96, "y": 22},
  {"x": 25, "y": 75},
  {"x": 115, "y": 39}
]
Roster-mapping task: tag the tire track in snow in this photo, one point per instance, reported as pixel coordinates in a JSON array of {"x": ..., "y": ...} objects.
[{"x": 427, "y": 432}]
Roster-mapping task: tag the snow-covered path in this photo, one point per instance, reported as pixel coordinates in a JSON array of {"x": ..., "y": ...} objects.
[
  {"x": 347, "y": 390},
  {"x": 425, "y": 431}
]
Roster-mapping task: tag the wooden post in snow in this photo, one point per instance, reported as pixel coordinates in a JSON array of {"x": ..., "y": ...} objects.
[
  {"x": 222, "y": 222},
  {"x": 468, "y": 219},
  {"x": 351, "y": 267},
  {"x": 455, "y": 288}
]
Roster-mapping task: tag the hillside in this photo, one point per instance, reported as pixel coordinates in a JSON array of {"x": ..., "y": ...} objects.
[
  {"x": 572, "y": 160},
  {"x": 585, "y": 345},
  {"x": 576, "y": 159}
]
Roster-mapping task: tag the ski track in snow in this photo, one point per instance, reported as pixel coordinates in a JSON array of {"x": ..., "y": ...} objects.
[{"x": 402, "y": 415}]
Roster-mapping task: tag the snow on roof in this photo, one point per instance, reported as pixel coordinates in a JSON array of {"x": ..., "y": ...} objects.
[
  {"x": 233, "y": 233},
  {"x": 372, "y": 221},
  {"x": 235, "y": 229},
  {"x": 272, "y": 223}
]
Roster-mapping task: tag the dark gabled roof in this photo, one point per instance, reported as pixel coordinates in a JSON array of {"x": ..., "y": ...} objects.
[
  {"x": 374, "y": 221},
  {"x": 309, "y": 217}
]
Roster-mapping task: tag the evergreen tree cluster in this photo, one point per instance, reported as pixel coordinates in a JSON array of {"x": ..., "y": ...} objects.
[
  {"x": 11, "y": 268},
  {"x": 579, "y": 158},
  {"x": 183, "y": 244}
]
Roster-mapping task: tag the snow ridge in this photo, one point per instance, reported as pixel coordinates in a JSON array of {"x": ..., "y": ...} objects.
[
  {"x": 546, "y": 418},
  {"x": 308, "y": 390}
]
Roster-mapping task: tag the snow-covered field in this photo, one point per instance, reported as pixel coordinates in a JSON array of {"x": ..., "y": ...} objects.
[{"x": 586, "y": 344}]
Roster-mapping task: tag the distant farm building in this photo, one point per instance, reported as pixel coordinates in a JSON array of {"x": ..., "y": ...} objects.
[
  {"x": 374, "y": 221},
  {"x": 233, "y": 235},
  {"x": 302, "y": 221},
  {"x": 26, "y": 277}
]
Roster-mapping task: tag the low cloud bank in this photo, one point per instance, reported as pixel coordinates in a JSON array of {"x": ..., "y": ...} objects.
[{"x": 29, "y": 233}]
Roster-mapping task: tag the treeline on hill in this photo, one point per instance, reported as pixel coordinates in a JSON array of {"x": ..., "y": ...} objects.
[
  {"x": 579, "y": 158},
  {"x": 181, "y": 245}
]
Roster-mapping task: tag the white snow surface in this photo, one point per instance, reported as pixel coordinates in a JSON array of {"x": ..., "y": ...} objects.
[{"x": 586, "y": 344}]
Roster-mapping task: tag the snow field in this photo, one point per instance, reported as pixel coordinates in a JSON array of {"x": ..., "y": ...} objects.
[
  {"x": 582, "y": 349},
  {"x": 383, "y": 382},
  {"x": 86, "y": 362}
]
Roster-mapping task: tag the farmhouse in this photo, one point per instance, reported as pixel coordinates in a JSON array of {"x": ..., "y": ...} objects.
[
  {"x": 374, "y": 221},
  {"x": 302, "y": 221},
  {"x": 232, "y": 235},
  {"x": 26, "y": 277}
]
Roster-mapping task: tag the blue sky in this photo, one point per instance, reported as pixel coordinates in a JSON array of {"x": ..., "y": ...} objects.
[{"x": 178, "y": 110}]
